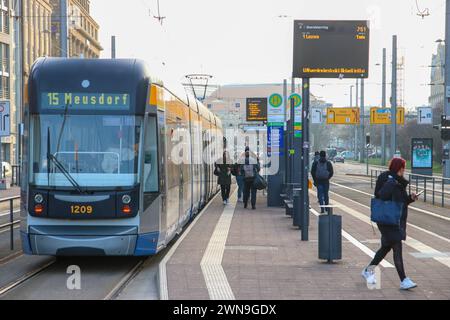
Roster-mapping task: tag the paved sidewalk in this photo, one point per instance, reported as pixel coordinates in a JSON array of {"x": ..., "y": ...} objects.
[{"x": 262, "y": 257}]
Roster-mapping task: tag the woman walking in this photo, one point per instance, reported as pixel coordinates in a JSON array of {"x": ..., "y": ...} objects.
[
  {"x": 223, "y": 172},
  {"x": 391, "y": 185}
]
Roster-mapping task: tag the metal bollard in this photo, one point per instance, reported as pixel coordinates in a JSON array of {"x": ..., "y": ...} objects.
[
  {"x": 330, "y": 237},
  {"x": 297, "y": 214}
]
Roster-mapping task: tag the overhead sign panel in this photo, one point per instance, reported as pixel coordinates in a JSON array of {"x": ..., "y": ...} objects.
[
  {"x": 316, "y": 116},
  {"x": 5, "y": 119},
  {"x": 256, "y": 109},
  {"x": 343, "y": 116},
  {"x": 383, "y": 116},
  {"x": 331, "y": 49},
  {"x": 424, "y": 115}
]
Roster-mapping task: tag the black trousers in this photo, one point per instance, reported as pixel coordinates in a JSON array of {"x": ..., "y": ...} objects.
[
  {"x": 398, "y": 257},
  {"x": 249, "y": 190},
  {"x": 225, "y": 189}
]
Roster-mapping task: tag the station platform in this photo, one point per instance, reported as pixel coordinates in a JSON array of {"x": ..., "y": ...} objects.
[{"x": 234, "y": 253}]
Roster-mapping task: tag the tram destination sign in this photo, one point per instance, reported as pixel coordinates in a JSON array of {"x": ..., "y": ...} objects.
[
  {"x": 85, "y": 101},
  {"x": 331, "y": 49},
  {"x": 257, "y": 109}
]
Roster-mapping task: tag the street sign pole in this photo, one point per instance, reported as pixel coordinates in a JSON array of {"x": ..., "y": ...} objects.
[
  {"x": 446, "y": 163},
  {"x": 305, "y": 159},
  {"x": 394, "y": 98},
  {"x": 362, "y": 134},
  {"x": 383, "y": 104},
  {"x": 287, "y": 137}
]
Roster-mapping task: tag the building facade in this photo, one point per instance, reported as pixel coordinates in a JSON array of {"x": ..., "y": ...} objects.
[
  {"x": 79, "y": 26},
  {"x": 436, "y": 99},
  {"x": 7, "y": 88}
]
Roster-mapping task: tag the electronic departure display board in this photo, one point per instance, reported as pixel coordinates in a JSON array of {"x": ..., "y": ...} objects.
[
  {"x": 256, "y": 109},
  {"x": 331, "y": 49}
]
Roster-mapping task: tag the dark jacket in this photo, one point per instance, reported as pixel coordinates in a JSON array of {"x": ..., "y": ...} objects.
[
  {"x": 329, "y": 168},
  {"x": 224, "y": 173},
  {"x": 389, "y": 233}
]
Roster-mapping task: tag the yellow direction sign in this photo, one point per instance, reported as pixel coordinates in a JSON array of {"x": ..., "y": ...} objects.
[
  {"x": 343, "y": 116},
  {"x": 383, "y": 116}
]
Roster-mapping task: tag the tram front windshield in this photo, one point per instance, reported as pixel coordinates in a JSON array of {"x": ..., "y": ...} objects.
[{"x": 95, "y": 150}]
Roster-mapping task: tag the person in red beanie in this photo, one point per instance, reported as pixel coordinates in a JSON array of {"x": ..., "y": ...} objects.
[{"x": 392, "y": 185}]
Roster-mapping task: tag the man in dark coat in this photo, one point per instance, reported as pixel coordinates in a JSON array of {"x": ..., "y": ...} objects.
[
  {"x": 223, "y": 171},
  {"x": 248, "y": 170},
  {"x": 321, "y": 172}
]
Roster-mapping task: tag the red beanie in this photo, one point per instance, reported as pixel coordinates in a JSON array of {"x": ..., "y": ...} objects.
[{"x": 397, "y": 164}]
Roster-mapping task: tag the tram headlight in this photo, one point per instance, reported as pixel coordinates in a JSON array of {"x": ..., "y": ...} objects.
[
  {"x": 39, "y": 198},
  {"x": 126, "y": 199}
]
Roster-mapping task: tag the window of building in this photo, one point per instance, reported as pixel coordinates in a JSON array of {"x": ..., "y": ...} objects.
[
  {"x": 4, "y": 18},
  {"x": 209, "y": 105},
  {"x": 4, "y": 77}
]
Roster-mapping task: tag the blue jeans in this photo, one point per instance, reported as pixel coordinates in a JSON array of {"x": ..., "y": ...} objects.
[
  {"x": 240, "y": 183},
  {"x": 322, "y": 194}
]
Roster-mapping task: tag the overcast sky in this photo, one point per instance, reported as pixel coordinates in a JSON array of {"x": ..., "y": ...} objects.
[{"x": 244, "y": 41}]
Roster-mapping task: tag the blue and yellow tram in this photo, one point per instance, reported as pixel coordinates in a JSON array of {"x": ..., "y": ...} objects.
[{"x": 114, "y": 162}]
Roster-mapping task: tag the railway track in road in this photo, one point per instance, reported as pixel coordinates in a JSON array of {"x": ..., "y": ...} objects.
[
  {"x": 432, "y": 223},
  {"x": 370, "y": 194},
  {"x": 4, "y": 290}
]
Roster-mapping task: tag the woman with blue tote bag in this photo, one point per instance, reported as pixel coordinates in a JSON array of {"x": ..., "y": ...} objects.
[{"x": 391, "y": 190}]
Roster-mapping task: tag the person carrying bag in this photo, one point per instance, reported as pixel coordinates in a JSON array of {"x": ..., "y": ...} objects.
[{"x": 389, "y": 209}]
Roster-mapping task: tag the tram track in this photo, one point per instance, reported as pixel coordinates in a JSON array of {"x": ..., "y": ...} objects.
[
  {"x": 426, "y": 221},
  {"x": 122, "y": 284},
  {"x": 4, "y": 290},
  {"x": 369, "y": 194}
]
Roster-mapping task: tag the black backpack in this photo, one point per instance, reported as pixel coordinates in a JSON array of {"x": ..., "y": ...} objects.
[{"x": 322, "y": 172}]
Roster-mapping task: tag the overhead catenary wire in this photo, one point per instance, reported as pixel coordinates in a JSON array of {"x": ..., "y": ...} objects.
[{"x": 422, "y": 13}]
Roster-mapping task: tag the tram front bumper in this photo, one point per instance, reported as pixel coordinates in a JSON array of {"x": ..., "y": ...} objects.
[{"x": 98, "y": 241}]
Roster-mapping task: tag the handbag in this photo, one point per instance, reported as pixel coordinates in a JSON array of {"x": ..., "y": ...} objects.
[
  {"x": 386, "y": 211},
  {"x": 259, "y": 182}
]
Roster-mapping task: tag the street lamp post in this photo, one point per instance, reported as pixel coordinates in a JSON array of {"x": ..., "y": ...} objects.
[{"x": 446, "y": 162}]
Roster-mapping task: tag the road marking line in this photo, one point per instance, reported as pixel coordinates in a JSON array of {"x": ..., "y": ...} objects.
[
  {"x": 162, "y": 269},
  {"x": 413, "y": 243},
  {"x": 358, "y": 244},
  {"x": 411, "y": 207},
  {"x": 211, "y": 264}
]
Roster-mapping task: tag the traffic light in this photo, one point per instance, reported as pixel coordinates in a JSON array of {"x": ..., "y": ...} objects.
[{"x": 368, "y": 139}]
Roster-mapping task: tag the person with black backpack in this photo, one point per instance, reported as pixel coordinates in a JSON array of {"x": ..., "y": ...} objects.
[
  {"x": 322, "y": 172},
  {"x": 249, "y": 170}
]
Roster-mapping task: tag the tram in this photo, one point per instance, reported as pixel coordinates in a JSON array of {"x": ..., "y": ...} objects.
[{"x": 114, "y": 162}]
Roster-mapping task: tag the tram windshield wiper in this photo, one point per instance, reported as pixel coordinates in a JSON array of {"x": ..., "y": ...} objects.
[
  {"x": 66, "y": 173},
  {"x": 52, "y": 159}
]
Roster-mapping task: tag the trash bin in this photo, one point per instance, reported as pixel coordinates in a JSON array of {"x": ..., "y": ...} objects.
[{"x": 330, "y": 237}]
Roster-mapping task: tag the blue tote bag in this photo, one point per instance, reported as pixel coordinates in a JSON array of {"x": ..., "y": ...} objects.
[{"x": 386, "y": 212}]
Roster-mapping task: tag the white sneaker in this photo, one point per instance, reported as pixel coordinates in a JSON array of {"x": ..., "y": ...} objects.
[
  {"x": 225, "y": 202},
  {"x": 239, "y": 199},
  {"x": 407, "y": 284},
  {"x": 369, "y": 276}
]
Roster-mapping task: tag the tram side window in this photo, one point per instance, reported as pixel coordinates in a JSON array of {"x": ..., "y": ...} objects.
[{"x": 151, "y": 157}]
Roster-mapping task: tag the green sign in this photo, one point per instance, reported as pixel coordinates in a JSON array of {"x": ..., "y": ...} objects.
[
  {"x": 276, "y": 100},
  {"x": 297, "y": 100}
]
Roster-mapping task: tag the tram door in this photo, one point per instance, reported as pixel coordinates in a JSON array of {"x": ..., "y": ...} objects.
[{"x": 179, "y": 127}]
